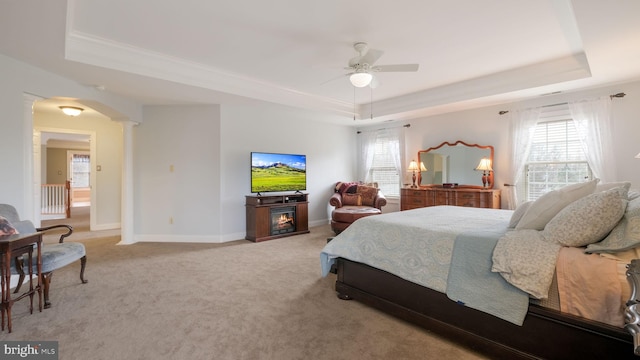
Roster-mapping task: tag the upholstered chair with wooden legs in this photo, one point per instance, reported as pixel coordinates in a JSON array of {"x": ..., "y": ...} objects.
[{"x": 54, "y": 256}]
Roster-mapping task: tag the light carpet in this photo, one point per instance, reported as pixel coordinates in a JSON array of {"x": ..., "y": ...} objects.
[{"x": 238, "y": 300}]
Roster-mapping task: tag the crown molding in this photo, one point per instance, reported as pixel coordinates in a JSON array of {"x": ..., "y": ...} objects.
[
  {"x": 527, "y": 78},
  {"x": 89, "y": 49},
  {"x": 92, "y": 50}
]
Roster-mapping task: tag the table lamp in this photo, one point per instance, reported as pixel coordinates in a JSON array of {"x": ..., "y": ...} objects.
[
  {"x": 413, "y": 166},
  {"x": 485, "y": 167}
]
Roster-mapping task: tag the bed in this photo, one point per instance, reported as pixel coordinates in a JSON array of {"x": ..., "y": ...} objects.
[{"x": 452, "y": 271}]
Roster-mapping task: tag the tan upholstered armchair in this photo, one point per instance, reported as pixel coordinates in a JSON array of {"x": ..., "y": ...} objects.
[{"x": 353, "y": 201}]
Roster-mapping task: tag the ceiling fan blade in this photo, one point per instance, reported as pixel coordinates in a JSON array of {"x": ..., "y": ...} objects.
[
  {"x": 396, "y": 68},
  {"x": 371, "y": 57},
  {"x": 355, "y": 61},
  {"x": 336, "y": 78},
  {"x": 375, "y": 82}
]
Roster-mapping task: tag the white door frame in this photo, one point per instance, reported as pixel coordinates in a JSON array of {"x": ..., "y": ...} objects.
[
  {"x": 70, "y": 154},
  {"x": 37, "y": 159}
]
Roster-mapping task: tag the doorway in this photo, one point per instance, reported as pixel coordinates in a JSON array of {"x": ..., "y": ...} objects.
[
  {"x": 63, "y": 159},
  {"x": 79, "y": 174},
  {"x": 112, "y": 168}
]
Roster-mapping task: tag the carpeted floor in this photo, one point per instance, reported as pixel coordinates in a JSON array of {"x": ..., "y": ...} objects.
[{"x": 238, "y": 300}]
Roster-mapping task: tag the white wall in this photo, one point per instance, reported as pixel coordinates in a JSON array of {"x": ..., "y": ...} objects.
[
  {"x": 19, "y": 78},
  {"x": 260, "y": 126},
  {"x": 109, "y": 152},
  {"x": 177, "y": 174},
  {"x": 485, "y": 126},
  {"x": 209, "y": 148},
  {"x": 228, "y": 136}
]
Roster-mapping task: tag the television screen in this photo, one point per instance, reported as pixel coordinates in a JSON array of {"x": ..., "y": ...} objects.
[{"x": 272, "y": 172}]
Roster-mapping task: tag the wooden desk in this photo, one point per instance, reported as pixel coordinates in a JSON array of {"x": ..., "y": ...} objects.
[{"x": 14, "y": 245}]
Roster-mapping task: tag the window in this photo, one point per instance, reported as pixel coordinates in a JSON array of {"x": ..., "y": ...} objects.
[
  {"x": 556, "y": 159},
  {"x": 80, "y": 170},
  {"x": 383, "y": 171}
]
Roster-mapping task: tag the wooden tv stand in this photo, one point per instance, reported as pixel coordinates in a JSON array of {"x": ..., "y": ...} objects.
[{"x": 261, "y": 209}]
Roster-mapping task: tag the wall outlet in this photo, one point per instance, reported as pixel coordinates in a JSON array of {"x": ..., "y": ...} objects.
[{"x": 171, "y": 220}]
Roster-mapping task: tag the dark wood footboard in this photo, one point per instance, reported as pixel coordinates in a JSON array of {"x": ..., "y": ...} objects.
[
  {"x": 546, "y": 333},
  {"x": 632, "y": 312}
]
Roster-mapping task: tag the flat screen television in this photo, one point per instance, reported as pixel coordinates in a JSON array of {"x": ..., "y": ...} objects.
[{"x": 272, "y": 172}]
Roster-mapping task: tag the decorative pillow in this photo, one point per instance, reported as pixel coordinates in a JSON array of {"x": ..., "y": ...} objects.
[
  {"x": 611, "y": 185},
  {"x": 633, "y": 194},
  {"x": 6, "y": 228},
  {"x": 625, "y": 235},
  {"x": 351, "y": 199},
  {"x": 549, "y": 204},
  {"x": 342, "y": 187},
  {"x": 368, "y": 194},
  {"x": 518, "y": 213},
  {"x": 526, "y": 260},
  {"x": 587, "y": 220}
]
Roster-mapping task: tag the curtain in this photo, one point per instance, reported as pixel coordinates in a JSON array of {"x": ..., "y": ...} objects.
[
  {"x": 396, "y": 147},
  {"x": 592, "y": 119},
  {"x": 523, "y": 125},
  {"x": 367, "y": 150},
  {"x": 396, "y": 142},
  {"x": 391, "y": 142}
]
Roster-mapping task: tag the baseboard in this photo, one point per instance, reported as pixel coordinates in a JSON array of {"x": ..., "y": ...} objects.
[
  {"x": 177, "y": 238},
  {"x": 111, "y": 226}
]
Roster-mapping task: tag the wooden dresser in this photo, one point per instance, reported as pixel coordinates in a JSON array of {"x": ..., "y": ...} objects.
[{"x": 412, "y": 198}]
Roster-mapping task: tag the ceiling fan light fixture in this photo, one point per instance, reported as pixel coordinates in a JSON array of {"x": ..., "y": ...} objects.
[
  {"x": 360, "y": 79},
  {"x": 71, "y": 110}
]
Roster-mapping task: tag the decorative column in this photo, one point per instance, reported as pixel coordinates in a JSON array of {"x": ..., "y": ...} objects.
[
  {"x": 126, "y": 220},
  {"x": 31, "y": 168}
]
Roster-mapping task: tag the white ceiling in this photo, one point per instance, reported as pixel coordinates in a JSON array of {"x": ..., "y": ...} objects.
[{"x": 471, "y": 53}]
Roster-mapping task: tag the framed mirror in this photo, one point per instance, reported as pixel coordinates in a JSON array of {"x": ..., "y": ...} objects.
[{"x": 455, "y": 163}]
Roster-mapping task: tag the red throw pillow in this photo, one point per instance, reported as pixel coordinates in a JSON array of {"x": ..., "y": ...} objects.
[{"x": 349, "y": 187}]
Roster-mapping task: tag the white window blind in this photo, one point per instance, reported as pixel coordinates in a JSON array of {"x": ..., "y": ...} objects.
[
  {"x": 556, "y": 159},
  {"x": 383, "y": 170},
  {"x": 80, "y": 170}
]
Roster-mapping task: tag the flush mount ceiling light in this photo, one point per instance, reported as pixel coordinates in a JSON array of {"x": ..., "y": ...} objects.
[
  {"x": 71, "y": 110},
  {"x": 360, "y": 78}
]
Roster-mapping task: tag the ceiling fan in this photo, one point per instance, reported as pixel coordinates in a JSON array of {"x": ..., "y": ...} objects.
[{"x": 362, "y": 66}]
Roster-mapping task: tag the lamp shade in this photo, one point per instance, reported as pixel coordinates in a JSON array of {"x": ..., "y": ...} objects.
[
  {"x": 484, "y": 165},
  {"x": 360, "y": 78},
  {"x": 413, "y": 166},
  {"x": 422, "y": 167},
  {"x": 71, "y": 110}
]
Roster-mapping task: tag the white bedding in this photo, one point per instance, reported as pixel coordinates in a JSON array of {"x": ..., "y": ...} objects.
[{"x": 415, "y": 245}]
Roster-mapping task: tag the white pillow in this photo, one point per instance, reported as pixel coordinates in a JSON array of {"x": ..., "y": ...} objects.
[
  {"x": 587, "y": 220},
  {"x": 518, "y": 213},
  {"x": 549, "y": 204}
]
